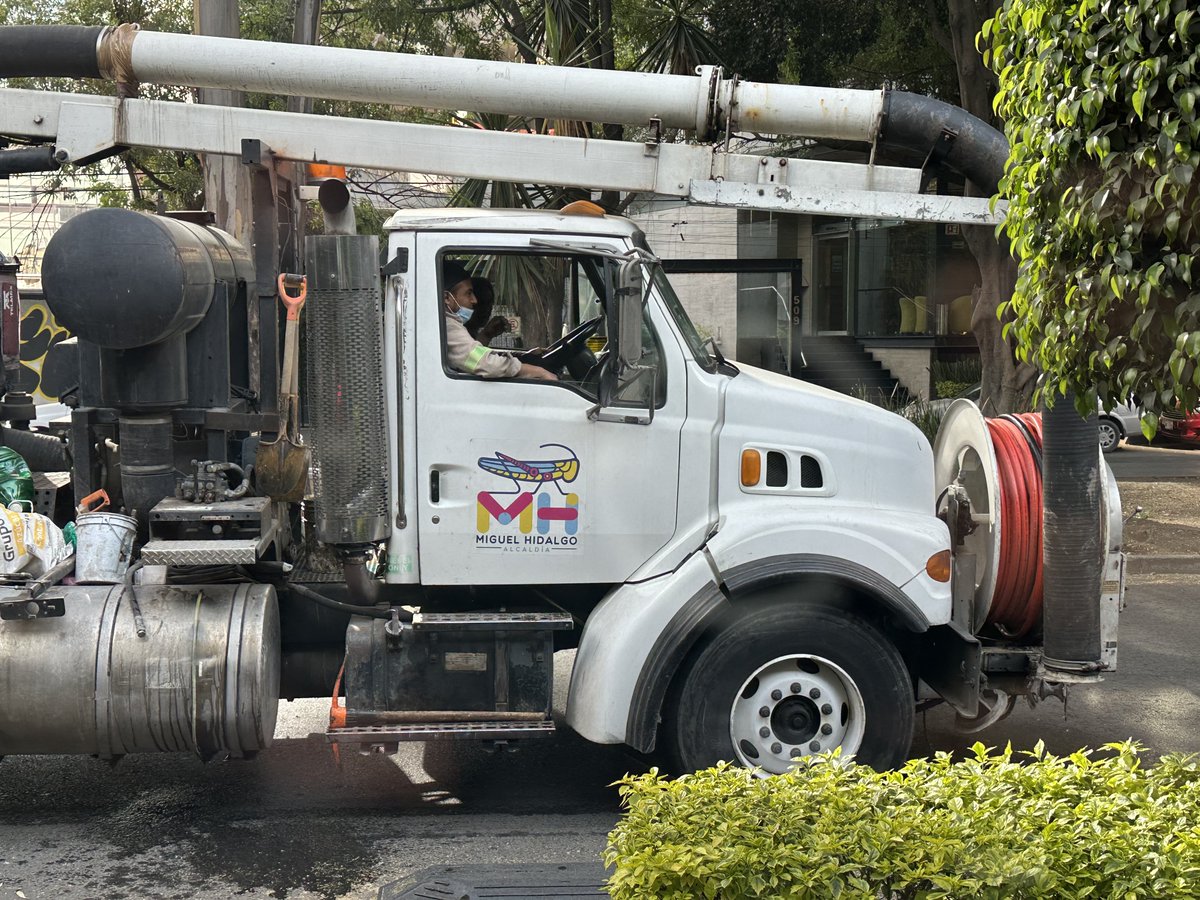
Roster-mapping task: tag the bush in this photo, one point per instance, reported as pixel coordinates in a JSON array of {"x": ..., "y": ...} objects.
[
  {"x": 986, "y": 827},
  {"x": 952, "y": 389}
]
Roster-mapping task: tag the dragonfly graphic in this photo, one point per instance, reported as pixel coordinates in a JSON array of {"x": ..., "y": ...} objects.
[{"x": 533, "y": 471}]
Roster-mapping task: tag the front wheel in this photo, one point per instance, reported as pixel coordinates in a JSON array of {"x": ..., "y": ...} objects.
[
  {"x": 1110, "y": 435},
  {"x": 783, "y": 681}
]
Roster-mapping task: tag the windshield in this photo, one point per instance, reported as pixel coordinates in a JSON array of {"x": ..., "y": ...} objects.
[{"x": 697, "y": 344}]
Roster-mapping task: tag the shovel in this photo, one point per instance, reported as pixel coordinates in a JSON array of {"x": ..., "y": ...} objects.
[{"x": 282, "y": 464}]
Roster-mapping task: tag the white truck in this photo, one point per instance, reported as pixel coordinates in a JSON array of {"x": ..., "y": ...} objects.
[{"x": 750, "y": 567}]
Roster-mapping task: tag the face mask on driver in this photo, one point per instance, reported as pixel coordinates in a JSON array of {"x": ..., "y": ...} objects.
[{"x": 464, "y": 313}]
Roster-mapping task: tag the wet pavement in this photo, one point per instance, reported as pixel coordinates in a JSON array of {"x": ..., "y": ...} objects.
[{"x": 293, "y": 824}]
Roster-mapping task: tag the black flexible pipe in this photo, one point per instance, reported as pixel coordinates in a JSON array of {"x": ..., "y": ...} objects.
[
  {"x": 62, "y": 51},
  {"x": 372, "y": 611},
  {"x": 20, "y": 160},
  {"x": 42, "y": 452},
  {"x": 1073, "y": 557},
  {"x": 1071, "y": 530},
  {"x": 918, "y": 123}
]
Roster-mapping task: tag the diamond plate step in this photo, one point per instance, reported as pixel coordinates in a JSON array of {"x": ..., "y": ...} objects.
[
  {"x": 543, "y": 881},
  {"x": 491, "y": 621},
  {"x": 204, "y": 553},
  {"x": 429, "y": 731}
]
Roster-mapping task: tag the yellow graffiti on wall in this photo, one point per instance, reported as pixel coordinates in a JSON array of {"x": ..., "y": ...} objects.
[{"x": 39, "y": 332}]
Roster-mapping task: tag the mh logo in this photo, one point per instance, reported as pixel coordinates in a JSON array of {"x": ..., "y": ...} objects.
[{"x": 527, "y": 505}]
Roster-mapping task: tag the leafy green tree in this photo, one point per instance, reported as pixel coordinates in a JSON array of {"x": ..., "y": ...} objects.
[{"x": 1102, "y": 104}]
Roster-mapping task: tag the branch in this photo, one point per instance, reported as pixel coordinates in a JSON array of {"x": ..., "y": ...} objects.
[
  {"x": 133, "y": 182},
  {"x": 939, "y": 31},
  {"x": 131, "y": 164}
]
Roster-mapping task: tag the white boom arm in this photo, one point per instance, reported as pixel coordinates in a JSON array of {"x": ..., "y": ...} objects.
[
  {"x": 84, "y": 126},
  {"x": 708, "y": 105}
]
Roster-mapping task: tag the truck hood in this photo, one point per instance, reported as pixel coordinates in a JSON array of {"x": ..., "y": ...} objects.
[{"x": 868, "y": 456}]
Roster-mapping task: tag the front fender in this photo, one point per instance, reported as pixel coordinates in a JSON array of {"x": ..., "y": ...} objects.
[
  {"x": 635, "y": 639},
  {"x": 636, "y": 628},
  {"x": 883, "y": 550}
]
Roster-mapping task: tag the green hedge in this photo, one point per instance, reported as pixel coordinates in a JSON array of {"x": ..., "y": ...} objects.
[{"x": 1006, "y": 825}]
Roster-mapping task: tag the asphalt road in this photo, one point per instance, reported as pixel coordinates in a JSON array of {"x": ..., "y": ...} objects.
[
  {"x": 292, "y": 824},
  {"x": 1137, "y": 461}
]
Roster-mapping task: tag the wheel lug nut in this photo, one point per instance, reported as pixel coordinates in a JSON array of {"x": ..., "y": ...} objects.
[
  {"x": 764, "y": 711},
  {"x": 776, "y": 694},
  {"x": 795, "y": 688},
  {"x": 776, "y": 748},
  {"x": 815, "y": 693},
  {"x": 826, "y": 728},
  {"x": 814, "y": 746},
  {"x": 796, "y": 751},
  {"x": 826, "y": 709},
  {"x": 764, "y": 731}
]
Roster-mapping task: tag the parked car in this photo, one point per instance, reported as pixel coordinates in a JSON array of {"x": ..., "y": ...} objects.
[
  {"x": 1115, "y": 425},
  {"x": 1177, "y": 423}
]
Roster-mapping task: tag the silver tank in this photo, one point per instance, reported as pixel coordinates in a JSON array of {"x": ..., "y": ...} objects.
[{"x": 205, "y": 678}]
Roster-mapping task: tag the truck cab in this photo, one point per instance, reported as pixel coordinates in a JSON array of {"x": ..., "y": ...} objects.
[{"x": 671, "y": 485}]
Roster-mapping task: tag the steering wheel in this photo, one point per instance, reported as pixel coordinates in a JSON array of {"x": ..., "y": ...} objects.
[{"x": 571, "y": 350}]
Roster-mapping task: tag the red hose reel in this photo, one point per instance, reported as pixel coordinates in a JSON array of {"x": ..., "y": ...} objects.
[
  {"x": 997, "y": 463},
  {"x": 1016, "y": 606}
]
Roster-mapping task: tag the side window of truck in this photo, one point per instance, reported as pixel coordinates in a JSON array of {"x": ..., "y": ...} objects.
[{"x": 549, "y": 310}]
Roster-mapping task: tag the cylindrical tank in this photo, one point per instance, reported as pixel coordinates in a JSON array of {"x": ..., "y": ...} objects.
[
  {"x": 205, "y": 679},
  {"x": 122, "y": 279}
]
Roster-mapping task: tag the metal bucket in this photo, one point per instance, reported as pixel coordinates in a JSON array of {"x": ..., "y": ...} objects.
[{"x": 104, "y": 547}]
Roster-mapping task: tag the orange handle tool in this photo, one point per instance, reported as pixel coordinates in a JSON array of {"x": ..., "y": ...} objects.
[{"x": 293, "y": 304}]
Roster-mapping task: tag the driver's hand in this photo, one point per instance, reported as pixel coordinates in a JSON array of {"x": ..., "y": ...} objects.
[{"x": 536, "y": 372}]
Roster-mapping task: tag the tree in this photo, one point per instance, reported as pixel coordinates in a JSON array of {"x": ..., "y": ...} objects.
[{"x": 1102, "y": 110}]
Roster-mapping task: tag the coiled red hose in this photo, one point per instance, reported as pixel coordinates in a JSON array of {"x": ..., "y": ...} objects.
[{"x": 1017, "y": 602}]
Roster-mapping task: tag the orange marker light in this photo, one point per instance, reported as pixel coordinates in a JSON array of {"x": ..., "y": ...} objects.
[
  {"x": 751, "y": 467},
  {"x": 583, "y": 208},
  {"x": 938, "y": 566},
  {"x": 317, "y": 171}
]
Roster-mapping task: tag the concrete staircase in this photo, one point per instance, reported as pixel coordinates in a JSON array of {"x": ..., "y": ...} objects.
[{"x": 839, "y": 363}]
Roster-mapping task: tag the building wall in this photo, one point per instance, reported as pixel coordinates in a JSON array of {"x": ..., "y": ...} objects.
[
  {"x": 677, "y": 231},
  {"x": 908, "y": 365}
]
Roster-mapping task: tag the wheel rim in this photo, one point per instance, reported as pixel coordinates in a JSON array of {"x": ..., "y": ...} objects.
[
  {"x": 1109, "y": 438},
  {"x": 792, "y": 707}
]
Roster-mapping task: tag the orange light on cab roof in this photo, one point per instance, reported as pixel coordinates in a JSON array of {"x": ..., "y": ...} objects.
[
  {"x": 583, "y": 208},
  {"x": 751, "y": 467},
  {"x": 318, "y": 171},
  {"x": 937, "y": 566}
]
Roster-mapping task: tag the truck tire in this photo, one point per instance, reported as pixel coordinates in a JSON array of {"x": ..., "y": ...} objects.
[{"x": 781, "y": 681}]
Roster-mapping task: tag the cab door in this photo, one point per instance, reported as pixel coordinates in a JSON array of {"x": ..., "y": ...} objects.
[{"x": 518, "y": 483}]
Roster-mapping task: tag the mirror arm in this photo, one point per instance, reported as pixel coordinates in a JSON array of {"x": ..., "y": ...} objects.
[{"x": 635, "y": 416}]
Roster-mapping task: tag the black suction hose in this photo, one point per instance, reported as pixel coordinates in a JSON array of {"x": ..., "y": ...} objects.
[
  {"x": 1073, "y": 557},
  {"x": 61, "y": 51},
  {"x": 966, "y": 143},
  {"x": 1071, "y": 534},
  {"x": 42, "y": 452}
]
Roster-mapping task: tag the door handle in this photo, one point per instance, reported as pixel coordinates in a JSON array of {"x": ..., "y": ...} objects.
[{"x": 435, "y": 486}]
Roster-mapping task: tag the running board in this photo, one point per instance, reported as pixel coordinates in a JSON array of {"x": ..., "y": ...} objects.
[
  {"x": 492, "y": 621},
  {"x": 432, "y": 731}
]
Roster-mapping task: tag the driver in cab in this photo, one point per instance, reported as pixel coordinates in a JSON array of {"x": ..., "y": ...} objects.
[{"x": 464, "y": 352}]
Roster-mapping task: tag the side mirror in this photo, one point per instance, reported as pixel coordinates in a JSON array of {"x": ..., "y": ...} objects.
[
  {"x": 627, "y": 388},
  {"x": 631, "y": 291}
]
